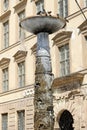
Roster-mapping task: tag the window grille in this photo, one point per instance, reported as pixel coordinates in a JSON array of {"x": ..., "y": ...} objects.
[
  {"x": 21, "y": 74},
  {"x": 21, "y": 120},
  {"x": 6, "y": 34},
  {"x": 5, "y": 79},
  {"x": 64, "y": 60},
  {"x": 5, "y": 121}
]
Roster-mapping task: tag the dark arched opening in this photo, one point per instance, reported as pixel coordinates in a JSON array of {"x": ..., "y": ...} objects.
[{"x": 66, "y": 121}]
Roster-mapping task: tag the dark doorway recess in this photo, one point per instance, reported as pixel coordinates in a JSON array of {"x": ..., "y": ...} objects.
[{"x": 66, "y": 121}]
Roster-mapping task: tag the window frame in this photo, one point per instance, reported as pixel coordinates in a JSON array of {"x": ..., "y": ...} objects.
[
  {"x": 5, "y": 5},
  {"x": 21, "y": 32},
  {"x": 5, "y": 79},
  {"x": 64, "y": 70},
  {"x": 21, "y": 75},
  {"x": 6, "y": 34},
  {"x": 23, "y": 124},
  {"x": 63, "y": 8},
  {"x": 6, "y": 128},
  {"x": 85, "y": 3},
  {"x": 60, "y": 39}
]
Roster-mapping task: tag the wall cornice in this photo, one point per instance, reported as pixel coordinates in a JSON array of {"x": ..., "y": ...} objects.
[{"x": 76, "y": 13}]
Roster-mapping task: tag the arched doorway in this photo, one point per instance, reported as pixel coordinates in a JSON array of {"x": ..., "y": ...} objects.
[{"x": 66, "y": 121}]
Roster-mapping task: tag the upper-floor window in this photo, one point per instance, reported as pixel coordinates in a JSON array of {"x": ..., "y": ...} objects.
[
  {"x": 63, "y": 8},
  {"x": 85, "y": 3},
  {"x": 21, "y": 15},
  {"x": 6, "y": 4},
  {"x": 21, "y": 74},
  {"x": 64, "y": 60},
  {"x": 5, "y": 121},
  {"x": 21, "y": 120},
  {"x": 5, "y": 79},
  {"x": 40, "y": 5},
  {"x": 6, "y": 34}
]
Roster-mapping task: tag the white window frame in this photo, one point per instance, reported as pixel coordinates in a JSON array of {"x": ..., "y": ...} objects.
[
  {"x": 6, "y": 34},
  {"x": 64, "y": 60},
  {"x": 21, "y": 74},
  {"x": 5, "y": 81}
]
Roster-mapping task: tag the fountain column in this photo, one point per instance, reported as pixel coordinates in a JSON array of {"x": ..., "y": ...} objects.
[
  {"x": 42, "y": 26},
  {"x": 43, "y": 100}
]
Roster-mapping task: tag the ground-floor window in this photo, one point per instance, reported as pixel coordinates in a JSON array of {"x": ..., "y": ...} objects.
[
  {"x": 21, "y": 120},
  {"x": 66, "y": 121},
  {"x": 5, "y": 121}
]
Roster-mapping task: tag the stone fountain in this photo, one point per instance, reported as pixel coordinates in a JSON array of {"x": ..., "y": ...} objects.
[{"x": 42, "y": 26}]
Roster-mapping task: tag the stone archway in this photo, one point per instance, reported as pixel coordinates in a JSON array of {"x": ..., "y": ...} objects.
[{"x": 66, "y": 120}]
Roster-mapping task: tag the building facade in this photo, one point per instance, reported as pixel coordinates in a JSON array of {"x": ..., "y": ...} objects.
[{"x": 68, "y": 49}]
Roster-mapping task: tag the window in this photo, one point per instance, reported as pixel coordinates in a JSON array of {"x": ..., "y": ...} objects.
[
  {"x": 64, "y": 60},
  {"x": 85, "y": 3},
  {"x": 40, "y": 5},
  {"x": 6, "y": 4},
  {"x": 5, "y": 79},
  {"x": 6, "y": 34},
  {"x": 5, "y": 121},
  {"x": 86, "y": 38},
  {"x": 21, "y": 120},
  {"x": 21, "y": 74},
  {"x": 63, "y": 8},
  {"x": 21, "y": 15}
]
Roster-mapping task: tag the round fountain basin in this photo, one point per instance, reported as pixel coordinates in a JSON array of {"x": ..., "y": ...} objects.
[{"x": 37, "y": 24}]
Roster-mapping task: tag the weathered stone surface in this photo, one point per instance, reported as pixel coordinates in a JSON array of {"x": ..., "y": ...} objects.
[{"x": 43, "y": 99}]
